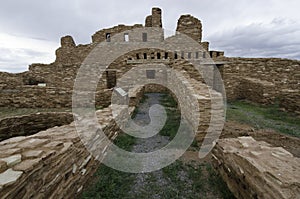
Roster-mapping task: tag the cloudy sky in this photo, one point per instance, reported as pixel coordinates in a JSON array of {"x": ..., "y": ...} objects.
[{"x": 30, "y": 30}]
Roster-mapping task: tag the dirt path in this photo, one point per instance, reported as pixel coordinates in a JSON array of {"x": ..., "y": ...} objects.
[
  {"x": 182, "y": 179},
  {"x": 187, "y": 178}
]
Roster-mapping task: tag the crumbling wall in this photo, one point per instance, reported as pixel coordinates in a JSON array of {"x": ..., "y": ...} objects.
[
  {"x": 154, "y": 20},
  {"x": 256, "y": 170},
  {"x": 30, "y": 124},
  {"x": 50, "y": 164},
  {"x": 190, "y": 26},
  {"x": 10, "y": 80},
  {"x": 69, "y": 53},
  {"x": 45, "y": 97},
  {"x": 256, "y": 90},
  {"x": 102, "y": 35},
  {"x": 289, "y": 100},
  {"x": 54, "y": 163},
  {"x": 282, "y": 73}
]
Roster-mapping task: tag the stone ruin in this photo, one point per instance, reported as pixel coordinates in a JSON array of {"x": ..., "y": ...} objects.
[{"x": 54, "y": 162}]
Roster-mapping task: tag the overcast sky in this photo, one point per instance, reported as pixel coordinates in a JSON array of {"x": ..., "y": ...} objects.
[{"x": 30, "y": 30}]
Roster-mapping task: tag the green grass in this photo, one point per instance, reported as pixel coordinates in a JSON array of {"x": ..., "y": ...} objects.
[
  {"x": 173, "y": 116},
  {"x": 125, "y": 141},
  {"x": 264, "y": 117},
  {"x": 215, "y": 181},
  {"x": 110, "y": 183}
]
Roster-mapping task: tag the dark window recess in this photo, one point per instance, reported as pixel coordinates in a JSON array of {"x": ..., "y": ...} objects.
[
  {"x": 158, "y": 55},
  {"x": 190, "y": 55},
  {"x": 107, "y": 36},
  {"x": 166, "y": 55},
  {"x": 129, "y": 58},
  {"x": 150, "y": 74},
  {"x": 145, "y": 55},
  {"x": 111, "y": 79},
  {"x": 33, "y": 82},
  {"x": 137, "y": 56},
  {"x": 145, "y": 37},
  {"x": 182, "y": 55},
  {"x": 152, "y": 56},
  {"x": 126, "y": 37},
  {"x": 175, "y": 55},
  {"x": 197, "y": 55},
  {"x": 204, "y": 55}
]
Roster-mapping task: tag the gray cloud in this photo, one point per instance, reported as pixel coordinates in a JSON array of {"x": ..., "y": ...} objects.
[
  {"x": 17, "y": 60},
  {"x": 224, "y": 23},
  {"x": 279, "y": 38}
]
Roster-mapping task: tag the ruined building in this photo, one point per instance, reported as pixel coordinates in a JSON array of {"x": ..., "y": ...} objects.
[{"x": 56, "y": 164}]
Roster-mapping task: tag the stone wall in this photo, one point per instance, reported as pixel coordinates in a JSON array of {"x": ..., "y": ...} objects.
[
  {"x": 256, "y": 170},
  {"x": 289, "y": 100},
  {"x": 50, "y": 164},
  {"x": 45, "y": 97},
  {"x": 10, "y": 80},
  {"x": 102, "y": 35},
  {"x": 283, "y": 73},
  {"x": 190, "y": 26},
  {"x": 54, "y": 163},
  {"x": 256, "y": 90},
  {"x": 30, "y": 124}
]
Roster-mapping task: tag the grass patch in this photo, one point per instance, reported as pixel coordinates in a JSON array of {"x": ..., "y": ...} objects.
[
  {"x": 264, "y": 117},
  {"x": 125, "y": 141},
  {"x": 173, "y": 116},
  {"x": 110, "y": 183},
  {"x": 217, "y": 184}
]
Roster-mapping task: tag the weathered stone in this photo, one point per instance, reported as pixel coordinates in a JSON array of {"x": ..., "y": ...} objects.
[
  {"x": 9, "y": 177},
  {"x": 12, "y": 160},
  {"x": 255, "y": 169},
  {"x": 32, "y": 143},
  {"x": 3, "y": 166},
  {"x": 27, "y": 165},
  {"x": 67, "y": 42},
  {"x": 10, "y": 152},
  {"x": 190, "y": 26},
  {"x": 32, "y": 154}
]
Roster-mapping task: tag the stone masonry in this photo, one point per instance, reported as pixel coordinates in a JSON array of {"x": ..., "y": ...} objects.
[
  {"x": 256, "y": 170},
  {"x": 54, "y": 163}
]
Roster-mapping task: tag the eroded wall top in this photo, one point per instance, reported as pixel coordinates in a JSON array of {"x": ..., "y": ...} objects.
[{"x": 190, "y": 26}]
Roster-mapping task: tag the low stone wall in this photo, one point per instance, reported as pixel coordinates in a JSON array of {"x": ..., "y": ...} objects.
[
  {"x": 50, "y": 164},
  {"x": 54, "y": 163},
  {"x": 256, "y": 90},
  {"x": 45, "y": 97},
  {"x": 283, "y": 73},
  {"x": 30, "y": 124},
  {"x": 257, "y": 170},
  {"x": 289, "y": 100}
]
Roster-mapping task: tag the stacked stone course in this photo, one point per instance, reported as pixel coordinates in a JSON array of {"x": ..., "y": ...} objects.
[{"x": 256, "y": 170}]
